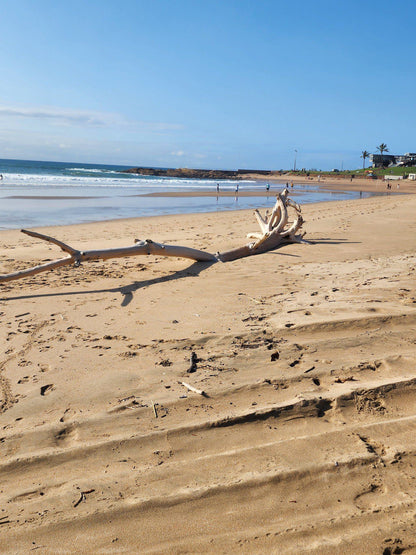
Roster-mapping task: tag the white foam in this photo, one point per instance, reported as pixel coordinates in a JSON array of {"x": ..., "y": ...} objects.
[
  {"x": 93, "y": 170},
  {"x": 128, "y": 181}
]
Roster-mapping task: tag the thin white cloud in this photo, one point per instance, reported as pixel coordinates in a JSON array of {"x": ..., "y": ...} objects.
[
  {"x": 60, "y": 115},
  {"x": 83, "y": 118},
  {"x": 189, "y": 156}
]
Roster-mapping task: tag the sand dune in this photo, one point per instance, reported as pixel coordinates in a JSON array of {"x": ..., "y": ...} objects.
[{"x": 304, "y": 442}]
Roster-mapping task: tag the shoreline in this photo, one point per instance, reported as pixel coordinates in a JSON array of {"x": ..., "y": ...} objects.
[
  {"x": 316, "y": 187},
  {"x": 32, "y": 211},
  {"x": 343, "y": 183},
  {"x": 255, "y": 193},
  {"x": 168, "y": 216},
  {"x": 237, "y": 176}
]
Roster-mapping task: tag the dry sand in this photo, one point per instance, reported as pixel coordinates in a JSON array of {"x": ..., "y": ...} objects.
[{"x": 304, "y": 442}]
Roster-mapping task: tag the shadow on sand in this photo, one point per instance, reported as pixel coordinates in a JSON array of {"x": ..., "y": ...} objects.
[
  {"x": 194, "y": 269},
  {"x": 126, "y": 290}
]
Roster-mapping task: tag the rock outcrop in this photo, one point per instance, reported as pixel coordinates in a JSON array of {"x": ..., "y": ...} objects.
[{"x": 193, "y": 173}]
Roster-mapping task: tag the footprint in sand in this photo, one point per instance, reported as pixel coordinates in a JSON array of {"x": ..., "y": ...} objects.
[
  {"x": 372, "y": 497},
  {"x": 45, "y": 389},
  {"x": 66, "y": 435}
]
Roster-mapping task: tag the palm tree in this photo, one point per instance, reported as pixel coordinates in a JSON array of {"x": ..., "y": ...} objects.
[
  {"x": 364, "y": 154},
  {"x": 382, "y": 148}
]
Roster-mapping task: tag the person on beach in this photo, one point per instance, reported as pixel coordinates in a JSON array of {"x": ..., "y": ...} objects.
[
  {"x": 236, "y": 189},
  {"x": 218, "y": 187},
  {"x": 1, "y": 176},
  {"x": 268, "y": 187}
]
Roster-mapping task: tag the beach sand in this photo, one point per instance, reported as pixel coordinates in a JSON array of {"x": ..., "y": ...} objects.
[{"x": 307, "y": 355}]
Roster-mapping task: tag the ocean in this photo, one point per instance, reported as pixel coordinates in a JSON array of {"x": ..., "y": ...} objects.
[{"x": 36, "y": 193}]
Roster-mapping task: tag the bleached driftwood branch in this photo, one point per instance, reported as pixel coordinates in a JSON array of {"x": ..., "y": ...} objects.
[
  {"x": 275, "y": 230},
  {"x": 76, "y": 257}
]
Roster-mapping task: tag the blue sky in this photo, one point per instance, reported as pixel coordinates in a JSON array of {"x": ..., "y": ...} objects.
[{"x": 214, "y": 83}]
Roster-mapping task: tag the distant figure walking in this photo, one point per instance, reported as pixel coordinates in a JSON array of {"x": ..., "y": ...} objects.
[
  {"x": 218, "y": 187},
  {"x": 268, "y": 187},
  {"x": 236, "y": 188}
]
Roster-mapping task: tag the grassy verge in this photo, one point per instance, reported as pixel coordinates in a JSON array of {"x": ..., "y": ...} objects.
[{"x": 378, "y": 172}]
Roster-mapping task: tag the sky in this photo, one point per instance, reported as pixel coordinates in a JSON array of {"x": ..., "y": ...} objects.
[{"x": 221, "y": 84}]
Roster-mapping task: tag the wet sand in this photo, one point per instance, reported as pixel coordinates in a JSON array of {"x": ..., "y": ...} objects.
[
  {"x": 304, "y": 440},
  {"x": 334, "y": 183},
  {"x": 277, "y": 183}
]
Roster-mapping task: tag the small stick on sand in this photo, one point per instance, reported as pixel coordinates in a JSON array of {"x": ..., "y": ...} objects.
[
  {"x": 252, "y": 298},
  {"x": 154, "y": 409},
  {"x": 194, "y": 389},
  {"x": 82, "y": 496}
]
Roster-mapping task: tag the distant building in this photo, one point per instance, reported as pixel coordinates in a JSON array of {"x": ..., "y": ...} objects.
[
  {"x": 392, "y": 177},
  {"x": 384, "y": 160}
]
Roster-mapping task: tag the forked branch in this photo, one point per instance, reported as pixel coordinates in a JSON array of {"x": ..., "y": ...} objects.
[{"x": 274, "y": 232}]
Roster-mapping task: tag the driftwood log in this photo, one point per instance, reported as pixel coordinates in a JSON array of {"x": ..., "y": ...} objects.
[{"x": 276, "y": 229}]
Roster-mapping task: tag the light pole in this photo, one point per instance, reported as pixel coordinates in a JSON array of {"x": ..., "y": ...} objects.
[{"x": 294, "y": 164}]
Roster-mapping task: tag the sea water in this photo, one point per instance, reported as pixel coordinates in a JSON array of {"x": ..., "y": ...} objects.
[{"x": 36, "y": 193}]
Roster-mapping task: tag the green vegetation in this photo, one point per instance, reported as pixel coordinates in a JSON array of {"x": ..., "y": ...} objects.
[
  {"x": 364, "y": 154},
  {"x": 381, "y": 172},
  {"x": 394, "y": 171},
  {"x": 364, "y": 172},
  {"x": 382, "y": 148},
  {"x": 378, "y": 172}
]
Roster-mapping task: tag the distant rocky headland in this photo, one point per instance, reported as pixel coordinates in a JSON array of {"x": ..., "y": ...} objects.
[{"x": 196, "y": 174}]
